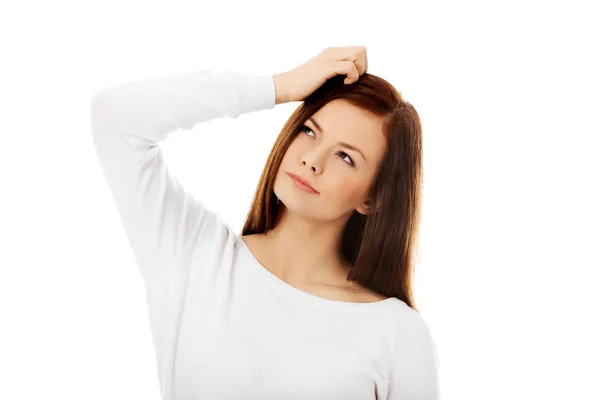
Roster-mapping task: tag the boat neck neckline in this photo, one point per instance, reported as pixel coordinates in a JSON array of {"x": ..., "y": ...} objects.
[{"x": 302, "y": 296}]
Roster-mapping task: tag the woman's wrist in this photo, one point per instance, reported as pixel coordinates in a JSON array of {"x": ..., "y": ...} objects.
[{"x": 281, "y": 95}]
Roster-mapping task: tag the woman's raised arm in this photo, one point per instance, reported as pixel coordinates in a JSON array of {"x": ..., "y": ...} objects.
[{"x": 162, "y": 220}]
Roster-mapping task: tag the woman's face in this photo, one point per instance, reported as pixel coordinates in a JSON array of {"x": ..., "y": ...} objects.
[{"x": 341, "y": 175}]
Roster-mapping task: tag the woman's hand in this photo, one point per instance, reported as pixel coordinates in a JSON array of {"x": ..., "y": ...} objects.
[{"x": 298, "y": 83}]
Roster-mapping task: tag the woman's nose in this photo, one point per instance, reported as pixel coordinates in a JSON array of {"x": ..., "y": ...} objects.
[{"x": 311, "y": 166}]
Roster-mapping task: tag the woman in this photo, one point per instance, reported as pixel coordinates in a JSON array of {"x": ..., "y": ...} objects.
[{"x": 313, "y": 299}]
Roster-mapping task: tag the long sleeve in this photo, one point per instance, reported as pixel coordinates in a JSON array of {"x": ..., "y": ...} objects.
[
  {"x": 415, "y": 362},
  {"x": 160, "y": 218}
]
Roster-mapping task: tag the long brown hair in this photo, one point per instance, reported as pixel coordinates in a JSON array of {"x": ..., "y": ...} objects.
[{"x": 381, "y": 246}]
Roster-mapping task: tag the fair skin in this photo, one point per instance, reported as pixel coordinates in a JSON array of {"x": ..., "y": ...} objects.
[{"x": 304, "y": 248}]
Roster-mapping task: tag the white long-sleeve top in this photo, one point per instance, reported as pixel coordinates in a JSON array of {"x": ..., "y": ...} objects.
[{"x": 223, "y": 326}]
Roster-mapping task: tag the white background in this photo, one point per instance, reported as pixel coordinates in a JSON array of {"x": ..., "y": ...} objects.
[{"x": 508, "y": 97}]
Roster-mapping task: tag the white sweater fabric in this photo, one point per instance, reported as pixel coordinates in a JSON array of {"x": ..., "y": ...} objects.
[{"x": 223, "y": 326}]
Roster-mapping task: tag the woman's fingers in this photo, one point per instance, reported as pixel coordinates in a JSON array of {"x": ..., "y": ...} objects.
[
  {"x": 347, "y": 68},
  {"x": 355, "y": 54},
  {"x": 300, "y": 82},
  {"x": 359, "y": 58}
]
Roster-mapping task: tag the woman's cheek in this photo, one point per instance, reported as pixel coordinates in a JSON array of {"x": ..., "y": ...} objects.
[
  {"x": 341, "y": 187},
  {"x": 336, "y": 183}
]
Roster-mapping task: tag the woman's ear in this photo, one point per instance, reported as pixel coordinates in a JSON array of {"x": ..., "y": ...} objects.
[{"x": 365, "y": 207}]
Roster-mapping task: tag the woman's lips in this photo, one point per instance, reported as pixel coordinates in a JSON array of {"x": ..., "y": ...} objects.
[{"x": 301, "y": 184}]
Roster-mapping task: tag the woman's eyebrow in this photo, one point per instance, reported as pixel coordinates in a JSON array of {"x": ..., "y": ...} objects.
[
  {"x": 347, "y": 145},
  {"x": 311, "y": 119}
]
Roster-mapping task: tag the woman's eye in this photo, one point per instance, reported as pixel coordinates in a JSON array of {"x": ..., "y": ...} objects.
[
  {"x": 346, "y": 155},
  {"x": 304, "y": 128}
]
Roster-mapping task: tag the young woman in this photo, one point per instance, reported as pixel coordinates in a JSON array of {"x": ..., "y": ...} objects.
[{"x": 313, "y": 300}]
